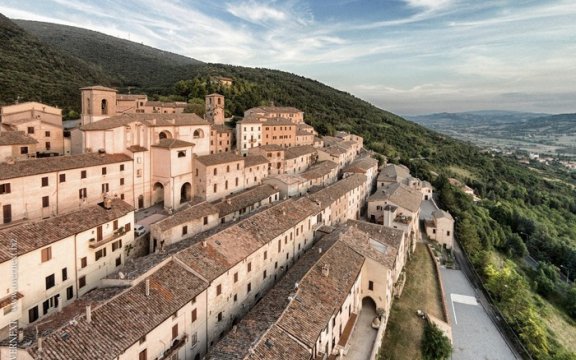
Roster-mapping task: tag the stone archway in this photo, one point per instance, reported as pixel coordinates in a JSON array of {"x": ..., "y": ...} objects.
[
  {"x": 157, "y": 193},
  {"x": 185, "y": 193}
]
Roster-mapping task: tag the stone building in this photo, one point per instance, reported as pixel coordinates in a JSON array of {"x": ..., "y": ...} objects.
[
  {"x": 218, "y": 175},
  {"x": 441, "y": 228},
  {"x": 16, "y": 145},
  {"x": 41, "y": 122},
  {"x": 60, "y": 259}
]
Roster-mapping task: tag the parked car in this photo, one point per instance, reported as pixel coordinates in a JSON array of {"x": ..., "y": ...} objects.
[{"x": 139, "y": 230}]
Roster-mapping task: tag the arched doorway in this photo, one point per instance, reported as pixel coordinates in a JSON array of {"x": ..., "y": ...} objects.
[
  {"x": 198, "y": 133},
  {"x": 157, "y": 193},
  {"x": 185, "y": 192},
  {"x": 165, "y": 135}
]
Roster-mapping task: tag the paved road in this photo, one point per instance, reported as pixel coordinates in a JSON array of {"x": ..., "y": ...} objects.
[
  {"x": 426, "y": 209},
  {"x": 475, "y": 335},
  {"x": 363, "y": 337}
]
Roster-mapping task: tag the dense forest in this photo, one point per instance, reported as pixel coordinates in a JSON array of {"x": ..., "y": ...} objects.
[{"x": 522, "y": 210}]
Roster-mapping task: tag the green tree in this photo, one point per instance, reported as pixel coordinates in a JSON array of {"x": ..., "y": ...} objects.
[{"x": 435, "y": 345}]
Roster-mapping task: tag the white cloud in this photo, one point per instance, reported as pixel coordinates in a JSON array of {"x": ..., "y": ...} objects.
[
  {"x": 428, "y": 4},
  {"x": 256, "y": 12}
]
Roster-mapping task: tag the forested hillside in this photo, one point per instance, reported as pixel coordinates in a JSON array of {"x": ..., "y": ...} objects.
[
  {"x": 522, "y": 210},
  {"x": 32, "y": 71}
]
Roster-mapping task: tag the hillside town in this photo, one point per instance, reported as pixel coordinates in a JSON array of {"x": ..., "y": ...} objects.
[{"x": 152, "y": 233}]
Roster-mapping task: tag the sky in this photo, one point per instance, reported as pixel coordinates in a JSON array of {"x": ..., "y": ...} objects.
[{"x": 406, "y": 56}]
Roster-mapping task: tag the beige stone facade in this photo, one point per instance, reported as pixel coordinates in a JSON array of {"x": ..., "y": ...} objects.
[
  {"x": 16, "y": 146},
  {"x": 218, "y": 175},
  {"x": 69, "y": 255},
  {"x": 441, "y": 228}
]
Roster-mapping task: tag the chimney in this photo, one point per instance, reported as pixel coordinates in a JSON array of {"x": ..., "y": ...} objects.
[
  {"x": 107, "y": 203},
  {"x": 326, "y": 270},
  {"x": 88, "y": 314},
  {"x": 39, "y": 344},
  {"x": 319, "y": 250},
  {"x": 389, "y": 215},
  {"x": 204, "y": 243},
  {"x": 228, "y": 201},
  {"x": 147, "y": 287}
]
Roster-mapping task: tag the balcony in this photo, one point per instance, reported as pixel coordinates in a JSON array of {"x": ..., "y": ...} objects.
[
  {"x": 176, "y": 345},
  {"x": 93, "y": 244}
]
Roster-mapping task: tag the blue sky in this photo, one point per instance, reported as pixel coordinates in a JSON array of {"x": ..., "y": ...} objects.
[{"x": 405, "y": 56}]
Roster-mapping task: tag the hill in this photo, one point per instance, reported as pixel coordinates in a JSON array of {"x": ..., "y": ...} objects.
[
  {"x": 524, "y": 208},
  {"x": 33, "y": 71},
  {"x": 133, "y": 63}
]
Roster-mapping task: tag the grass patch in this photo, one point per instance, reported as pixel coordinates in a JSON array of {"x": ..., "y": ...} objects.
[
  {"x": 405, "y": 329},
  {"x": 461, "y": 172},
  {"x": 562, "y": 327}
]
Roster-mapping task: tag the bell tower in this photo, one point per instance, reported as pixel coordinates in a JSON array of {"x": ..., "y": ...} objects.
[
  {"x": 98, "y": 102},
  {"x": 214, "y": 109}
]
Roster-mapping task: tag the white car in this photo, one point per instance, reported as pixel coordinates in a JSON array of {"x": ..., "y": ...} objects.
[{"x": 139, "y": 230}]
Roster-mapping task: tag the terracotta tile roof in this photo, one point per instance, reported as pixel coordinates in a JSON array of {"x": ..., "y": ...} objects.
[
  {"x": 278, "y": 121},
  {"x": 319, "y": 297},
  {"x": 361, "y": 165},
  {"x": 220, "y": 158},
  {"x": 259, "y": 325},
  {"x": 98, "y": 87},
  {"x": 377, "y": 242},
  {"x": 329, "y": 194},
  {"x": 437, "y": 214},
  {"x": 253, "y": 160},
  {"x": 278, "y": 344},
  {"x": 232, "y": 245},
  {"x": 59, "y": 163},
  {"x": 147, "y": 119},
  {"x": 173, "y": 144},
  {"x": 188, "y": 214},
  {"x": 250, "y": 120},
  {"x": 275, "y": 109},
  {"x": 137, "y": 148},
  {"x": 33, "y": 235},
  {"x": 297, "y": 151},
  {"x": 394, "y": 173},
  {"x": 7, "y": 300},
  {"x": 399, "y": 194},
  {"x": 272, "y": 147},
  {"x": 319, "y": 170},
  {"x": 130, "y": 97},
  {"x": 303, "y": 133},
  {"x": 15, "y": 138},
  {"x": 288, "y": 179},
  {"x": 244, "y": 199},
  {"x": 221, "y": 128},
  {"x": 119, "y": 323},
  {"x": 333, "y": 150}
]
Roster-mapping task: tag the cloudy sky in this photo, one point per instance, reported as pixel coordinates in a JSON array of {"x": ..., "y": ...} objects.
[{"x": 406, "y": 56}]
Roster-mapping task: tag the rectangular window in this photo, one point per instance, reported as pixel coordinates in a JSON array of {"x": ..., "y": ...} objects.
[
  {"x": 279, "y": 245},
  {"x": 47, "y": 145},
  {"x": 235, "y": 277},
  {"x": 174, "y": 331},
  {"x": 121, "y": 167},
  {"x": 50, "y": 281},
  {"x": 30, "y": 130},
  {"x": 104, "y": 170},
  {"x": 64, "y": 274},
  {"x": 82, "y": 281},
  {"x": 265, "y": 255},
  {"x": 143, "y": 355},
  {"x": 264, "y": 275},
  {"x": 5, "y": 188},
  {"x": 115, "y": 225},
  {"x": 105, "y": 188},
  {"x": 249, "y": 287},
  {"x": 219, "y": 316},
  {"x": 118, "y": 261},
  {"x": 46, "y": 254},
  {"x": 194, "y": 315},
  {"x": 121, "y": 181},
  {"x": 100, "y": 254},
  {"x": 127, "y": 227},
  {"x": 83, "y": 262},
  {"x": 23, "y": 150},
  {"x": 83, "y": 174},
  {"x": 117, "y": 245},
  {"x": 45, "y": 201},
  {"x": 45, "y": 181},
  {"x": 33, "y": 314},
  {"x": 218, "y": 289},
  {"x": 142, "y": 340},
  {"x": 205, "y": 220},
  {"x": 47, "y": 133},
  {"x": 184, "y": 230},
  {"x": 249, "y": 266},
  {"x": 370, "y": 285},
  {"x": 62, "y": 178},
  {"x": 69, "y": 292}
]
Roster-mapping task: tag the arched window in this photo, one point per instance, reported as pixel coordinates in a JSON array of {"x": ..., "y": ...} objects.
[
  {"x": 104, "y": 107},
  {"x": 162, "y": 135},
  {"x": 198, "y": 133}
]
